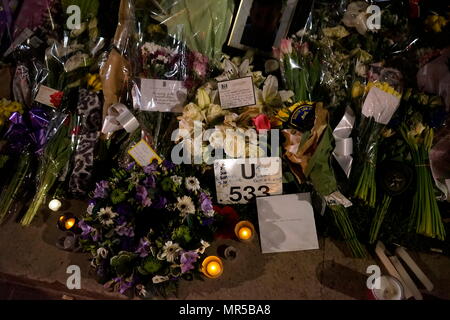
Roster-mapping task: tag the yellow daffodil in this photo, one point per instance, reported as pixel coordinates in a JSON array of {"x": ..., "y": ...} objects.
[
  {"x": 357, "y": 90},
  {"x": 436, "y": 23},
  {"x": 94, "y": 82},
  {"x": 383, "y": 86}
]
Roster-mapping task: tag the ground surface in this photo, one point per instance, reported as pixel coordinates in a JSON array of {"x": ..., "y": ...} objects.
[{"x": 31, "y": 267}]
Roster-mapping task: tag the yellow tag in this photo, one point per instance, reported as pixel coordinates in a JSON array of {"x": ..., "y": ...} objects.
[{"x": 143, "y": 154}]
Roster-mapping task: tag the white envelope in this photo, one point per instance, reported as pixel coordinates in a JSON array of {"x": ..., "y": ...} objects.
[{"x": 286, "y": 223}]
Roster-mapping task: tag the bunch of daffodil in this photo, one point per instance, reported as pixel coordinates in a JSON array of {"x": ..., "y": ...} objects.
[
  {"x": 435, "y": 23},
  {"x": 425, "y": 215}
]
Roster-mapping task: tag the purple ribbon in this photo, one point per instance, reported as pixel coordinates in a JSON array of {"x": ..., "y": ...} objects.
[{"x": 28, "y": 135}]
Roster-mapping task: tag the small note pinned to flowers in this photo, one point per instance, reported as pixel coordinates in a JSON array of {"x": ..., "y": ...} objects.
[
  {"x": 143, "y": 154},
  {"x": 237, "y": 93},
  {"x": 48, "y": 96}
]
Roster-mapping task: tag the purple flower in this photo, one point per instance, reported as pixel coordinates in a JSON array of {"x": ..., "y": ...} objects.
[
  {"x": 142, "y": 196},
  {"x": 130, "y": 166},
  {"x": 101, "y": 190},
  {"x": 207, "y": 222},
  {"x": 125, "y": 231},
  {"x": 206, "y": 203},
  {"x": 160, "y": 203},
  {"x": 124, "y": 285},
  {"x": 124, "y": 210},
  {"x": 96, "y": 236},
  {"x": 188, "y": 258},
  {"x": 168, "y": 165},
  {"x": 152, "y": 168},
  {"x": 85, "y": 229},
  {"x": 143, "y": 248},
  {"x": 150, "y": 182}
]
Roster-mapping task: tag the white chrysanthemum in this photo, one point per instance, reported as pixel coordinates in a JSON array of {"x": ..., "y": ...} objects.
[
  {"x": 192, "y": 184},
  {"x": 102, "y": 252},
  {"x": 177, "y": 180},
  {"x": 185, "y": 206},
  {"x": 203, "y": 248},
  {"x": 106, "y": 216},
  {"x": 159, "y": 279},
  {"x": 170, "y": 252}
]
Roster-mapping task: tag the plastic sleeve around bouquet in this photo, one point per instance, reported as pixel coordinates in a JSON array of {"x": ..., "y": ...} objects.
[
  {"x": 384, "y": 91},
  {"x": 56, "y": 156},
  {"x": 202, "y": 25}
]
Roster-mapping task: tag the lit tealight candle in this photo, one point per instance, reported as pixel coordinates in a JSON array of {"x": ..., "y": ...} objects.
[
  {"x": 67, "y": 222},
  {"x": 212, "y": 267},
  {"x": 55, "y": 205},
  {"x": 245, "y": 233}
]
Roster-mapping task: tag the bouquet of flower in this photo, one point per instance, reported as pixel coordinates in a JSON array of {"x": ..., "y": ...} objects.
[
  {"x": 146, "y": 227},
  {"x": 383, "y": 97},
  {"x": 233, "y": 131},
  {"x": 425, "y": 216},
  {"x": 55, "y": 158},
  {"x": 301, "y": 68}
]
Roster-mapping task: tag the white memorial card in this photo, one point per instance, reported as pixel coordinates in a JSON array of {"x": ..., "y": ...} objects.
[
  {"x": 242, "y": 180},
  {"x": 160, "y": 95},
  {"x": 48, "y": 96},
  {"x": 286, "y": 223},
  {"x": 237, "y": 93}
]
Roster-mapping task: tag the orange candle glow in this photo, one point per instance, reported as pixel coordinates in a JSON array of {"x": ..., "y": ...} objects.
[
  {"x": 69, "y": 223},
  {"x": 245, "y": 233},
  {"x": 212, "y": 267}
]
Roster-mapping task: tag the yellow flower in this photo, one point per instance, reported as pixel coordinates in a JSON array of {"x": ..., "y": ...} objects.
[
  {"x": 357, "y": 90},
  {"x": 383, "y": 86},
  {"x": 94, "y": 82},
  {"x": 155, "y": 28},
  {"x": 386, "y": 133},
  {"x": 436, "y": 23}
]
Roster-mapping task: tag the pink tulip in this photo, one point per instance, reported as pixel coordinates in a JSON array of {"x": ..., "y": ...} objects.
[{"x": 286, "y": 46}]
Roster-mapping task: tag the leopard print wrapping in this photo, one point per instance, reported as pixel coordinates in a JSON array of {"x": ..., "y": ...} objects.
[{"x": 89, "y": 108}]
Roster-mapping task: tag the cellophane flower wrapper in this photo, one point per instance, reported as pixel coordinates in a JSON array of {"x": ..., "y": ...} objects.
[
  {"x": 383, "y": 96},
  {"x": 55, "y": 158},
  {"x": 147, "y": 226}
]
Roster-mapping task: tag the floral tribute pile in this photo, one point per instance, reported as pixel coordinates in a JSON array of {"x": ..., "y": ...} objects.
[
  {"x": 360, "y": 111},
  {"x": 147, "y": 226}
]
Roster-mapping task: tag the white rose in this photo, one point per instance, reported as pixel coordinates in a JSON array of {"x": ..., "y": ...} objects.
[
  {"x": 193, "y": 112},
  {"x": 214, "y": 111}
]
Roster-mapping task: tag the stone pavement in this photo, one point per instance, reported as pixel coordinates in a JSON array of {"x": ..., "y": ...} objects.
[{"x": 31, "y": 267}]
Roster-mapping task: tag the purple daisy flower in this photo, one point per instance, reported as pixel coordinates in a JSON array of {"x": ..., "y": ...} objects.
[
  {"x": 169, "y": 165},
  {"x": 188, "y": 258},
  {"x": 101, "y": 190},
  {"x": 85, "y": 229},
  {"x": 150, "y": 182},
  {"x": 160, "y": 203},
  {"x": 142, "y": 196},
  {"x": 125, "y": 231},
  {"x": 205, "y": 202},
  {"x": 152, "y": 168},
  {"x": 143, "y": 248}
]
